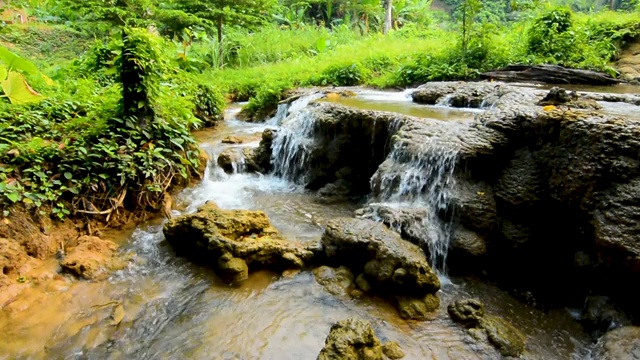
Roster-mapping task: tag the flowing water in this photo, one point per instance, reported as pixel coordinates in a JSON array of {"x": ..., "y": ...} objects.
[{"x": 174, "y": 309}]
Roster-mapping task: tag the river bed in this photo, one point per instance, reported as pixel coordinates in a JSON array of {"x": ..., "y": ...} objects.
[{"x": 174, "y": 309}]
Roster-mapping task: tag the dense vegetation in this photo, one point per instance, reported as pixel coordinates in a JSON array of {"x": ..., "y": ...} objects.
[{"x": 100, "y": 116}]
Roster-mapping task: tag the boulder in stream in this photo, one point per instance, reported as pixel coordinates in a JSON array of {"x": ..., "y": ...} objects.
[
  {"x": 229, "y": 239},
  {"x": 470, "y": 313},
  {"x": 390, "y": 265},
  {"x": 231, "y": 160},
  {"x": 351, "y": 339}
]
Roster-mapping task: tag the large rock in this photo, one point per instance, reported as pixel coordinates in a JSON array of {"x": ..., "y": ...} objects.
[
  {"x": 218, "y": 237},
  {"x": 391, "y": 265},
  {"x": 470, "y": 313},
  {"x": 619, "y": 344},
  {"x": 351, "y": 339}
]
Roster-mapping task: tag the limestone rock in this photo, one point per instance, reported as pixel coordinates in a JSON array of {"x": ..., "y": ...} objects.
[
  {"x": 392, "y": 350},
  {"x": 233, "y": 269},
  {"x": 501, "y": 334},
  {"x": 92, "y": 258},
  {"x": 232, "y": 140},
  {"x": 362, "y": 283},
  {"x": 417, "y": 309},
  {"x": 351, "y": 339},
  {"x": 336, "y": 281},
  {"x": 212, "y": 233},
  {"x": 620, "y": 344},
  {"x": 231, "y": 160},
  {"x": 392, "y": 265}
]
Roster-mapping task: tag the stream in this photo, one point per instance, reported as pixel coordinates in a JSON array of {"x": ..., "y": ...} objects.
[{"x": 174, "y": 309}]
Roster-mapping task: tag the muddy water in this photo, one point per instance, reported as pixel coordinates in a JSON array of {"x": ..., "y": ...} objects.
[{"x": 162, "y": 307}]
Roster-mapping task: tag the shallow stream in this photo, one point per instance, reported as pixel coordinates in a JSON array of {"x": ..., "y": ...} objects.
[{"x": 174, "y": 309}]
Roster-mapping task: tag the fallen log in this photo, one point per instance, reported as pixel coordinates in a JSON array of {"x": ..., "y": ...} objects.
[{"x": 550, "y": 74}]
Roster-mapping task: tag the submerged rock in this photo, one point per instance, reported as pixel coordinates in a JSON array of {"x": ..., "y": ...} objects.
[
  {"x": 224, "y": 237},
  {"x": 619, "y": 344},
  {"x": 351, "y": 339},
  {"x": 92, "y": 258},
  {"x": 232, "y": 140},
  {"x": 336, "y": 281},
  {"x": 392, "y": 350},
  {"x": 417, "y": 309},
  {"x": 470, "y": 313}
]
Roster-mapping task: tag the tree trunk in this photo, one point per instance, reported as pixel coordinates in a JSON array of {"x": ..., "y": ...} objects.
[
  {"x": 220, "y": 36},
  {"x": 388, "y": 18}
]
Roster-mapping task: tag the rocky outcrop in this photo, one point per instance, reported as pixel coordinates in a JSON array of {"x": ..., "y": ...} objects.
[
  {"x": 92, "y": 258},
  {"x": 470, "y": 313},
  {"x": 534, "y": 178},
  {"x": 619, "y": 344},
  {"x": 390, "y": 265},
  {"x": 233, "y": 241},
  {"x": 354, "y": 339}
]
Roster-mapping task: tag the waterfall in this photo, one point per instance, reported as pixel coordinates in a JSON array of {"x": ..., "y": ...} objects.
[
  {"x": 291, "y": 108},
  {"x": 293, "y": 144},
  {"x": 419, "y": 183}
]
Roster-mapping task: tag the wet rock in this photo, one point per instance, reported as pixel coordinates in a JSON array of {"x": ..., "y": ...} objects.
[
  {"x": 521, "y": 183},
  {"x": 259, "y": 159},
  {"x": 600, "y": 314},
  {"x": 362, "y": 283},
  {"x": 558, "y": 96},
  {"x": 336, "y": 281},
  {"x": 417, "y": 309},
  {"x": 467, "y": 244},
  {"x": 467, "y": 312},
  {"x": 470, "y": 95},
  {"x": 351, "y": 339},
  {"x": 470, "y": 313},
  {"x": 233, "y": 269},
  {"x": 474, "y": 206},
  {"x": 619, "y": 344},
  {"x": 92, "y": 258},
  {"x": 409, "y": 222},
  {"x": 392, "y": 350},
  {"x": 391, "y": 264},
  {"x": 232, "y": 140},
  {"x": 231, "y": 160},
  {"x": 340, "y": 188},
  {"x": 216, "y": 236}
]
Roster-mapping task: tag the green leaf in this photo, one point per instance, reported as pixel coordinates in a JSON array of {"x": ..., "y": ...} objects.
[
  {"x": 68, "y": 175},
  {"x": 13, "y": 196},
  {"x": 15, "y": 87},
  {"x": 15, "y": 62}
]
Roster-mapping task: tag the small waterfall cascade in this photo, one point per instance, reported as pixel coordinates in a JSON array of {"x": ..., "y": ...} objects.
[
  {"x": 289, "y": 108},
  {"x": 292, "y": 146},
  {"x": 419, "y": 184}
]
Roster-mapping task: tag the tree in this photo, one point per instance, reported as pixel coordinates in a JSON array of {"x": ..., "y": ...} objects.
[
  {"x": 468, "y": 9},
  {"x": 388, "y": 16}
]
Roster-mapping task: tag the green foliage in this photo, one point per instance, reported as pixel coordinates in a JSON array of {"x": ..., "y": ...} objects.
[
  {"x": 343, "y": 75},
  {"x": 551, "y": 35}
]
